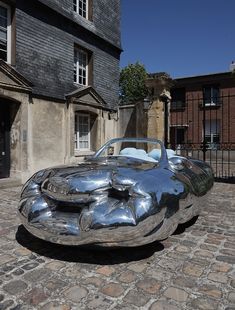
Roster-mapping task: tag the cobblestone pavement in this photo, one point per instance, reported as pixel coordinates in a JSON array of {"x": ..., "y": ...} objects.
[{"x": 193, "y": 269}]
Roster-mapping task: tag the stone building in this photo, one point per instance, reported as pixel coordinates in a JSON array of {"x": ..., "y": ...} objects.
[{"x": 59, "y": 73}]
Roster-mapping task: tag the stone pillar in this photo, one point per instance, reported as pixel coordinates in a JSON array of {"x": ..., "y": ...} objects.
[
  {"x": 158, "y": 85},
  {"x": 69, "y": 131},
  {"x": 26, "y": 138}
]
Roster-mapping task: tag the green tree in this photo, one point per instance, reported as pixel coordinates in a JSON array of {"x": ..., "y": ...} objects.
[{"x": 132, "y": 83}]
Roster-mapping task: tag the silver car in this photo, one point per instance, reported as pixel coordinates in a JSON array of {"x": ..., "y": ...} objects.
[{"x": 130, "y": 192}]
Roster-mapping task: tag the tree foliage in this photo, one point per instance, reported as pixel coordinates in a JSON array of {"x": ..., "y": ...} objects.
[{"x": 132, "y": 83}]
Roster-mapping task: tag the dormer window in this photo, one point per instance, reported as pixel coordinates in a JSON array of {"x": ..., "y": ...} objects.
[
  {"x": 83, "y": 8},
  {"x": 5, "y": 32}
]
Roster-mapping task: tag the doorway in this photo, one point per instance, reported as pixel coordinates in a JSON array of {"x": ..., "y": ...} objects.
[
  {"x": 4, "y": 141},
  {"x": 180, "y": 132}
]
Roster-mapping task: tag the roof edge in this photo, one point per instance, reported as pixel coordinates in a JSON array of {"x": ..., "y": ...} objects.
[{"x": 226, "y": 73}]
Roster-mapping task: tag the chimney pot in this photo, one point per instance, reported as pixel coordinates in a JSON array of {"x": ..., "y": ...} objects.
[{"x": 232, "y": 66}]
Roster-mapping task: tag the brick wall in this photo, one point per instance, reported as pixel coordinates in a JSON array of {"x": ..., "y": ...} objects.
[
  {"x": 191, "y": 117},
  {"x": 45, "y": 39}
]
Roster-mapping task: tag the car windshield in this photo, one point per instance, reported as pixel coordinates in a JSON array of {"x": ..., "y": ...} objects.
[{"x": 139, "y": 148}]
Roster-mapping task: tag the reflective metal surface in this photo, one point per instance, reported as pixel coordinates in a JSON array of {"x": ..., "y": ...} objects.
[{"x": 114, "y": 200}]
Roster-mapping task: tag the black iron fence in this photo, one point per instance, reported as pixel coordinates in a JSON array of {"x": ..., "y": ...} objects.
[{"x": 205, "y": 129}]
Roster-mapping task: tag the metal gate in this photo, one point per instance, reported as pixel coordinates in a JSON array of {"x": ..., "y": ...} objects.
[{"x": 206, "y": 130}]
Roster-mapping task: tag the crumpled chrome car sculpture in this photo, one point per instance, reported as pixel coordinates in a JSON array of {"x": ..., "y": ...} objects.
[{"x": 128, "y": 199}]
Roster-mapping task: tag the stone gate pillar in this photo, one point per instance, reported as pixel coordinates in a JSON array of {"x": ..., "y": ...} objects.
[{"x": 158, "y": 85}]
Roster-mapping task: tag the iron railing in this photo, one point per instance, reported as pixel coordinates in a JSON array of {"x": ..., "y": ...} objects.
[{"x": 206, "y": 131}]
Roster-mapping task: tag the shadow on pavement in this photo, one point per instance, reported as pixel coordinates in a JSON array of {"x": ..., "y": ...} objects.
[
  {"x": 181, "y": 227},
  {"x": 82, "y": 254}
]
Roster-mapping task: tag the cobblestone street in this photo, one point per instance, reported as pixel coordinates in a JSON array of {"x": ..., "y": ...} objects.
[{"x": 193, "y": 269}]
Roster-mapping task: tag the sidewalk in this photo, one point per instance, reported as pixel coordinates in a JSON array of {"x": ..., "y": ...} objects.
[{"x": 193, "y": 269}]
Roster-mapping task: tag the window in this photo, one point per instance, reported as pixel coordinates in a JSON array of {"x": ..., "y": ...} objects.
[
  {"x": 212, "y": 130},
  {"x": 80, "y": 67},
  {"x": 178, "y": 98},
  {"x": 81, "y": 7},
  {"x": 5, "y": 32},
  {"x": 180, "y": 133},
  {"x": 211, "y": 95},
  {"x": 82, "y": 131}
]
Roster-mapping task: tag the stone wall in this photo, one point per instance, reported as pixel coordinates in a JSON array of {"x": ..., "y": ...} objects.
[
  {"x": 47, "y": 131},
  {"x": 140, "y": 120},
  {"x": 52, "y": 142},
  {"x": 127, "y": 121},
  {"x": 148, "y": 118}
]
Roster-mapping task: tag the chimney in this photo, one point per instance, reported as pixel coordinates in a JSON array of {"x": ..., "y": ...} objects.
[{"x": 232, "y": 66}]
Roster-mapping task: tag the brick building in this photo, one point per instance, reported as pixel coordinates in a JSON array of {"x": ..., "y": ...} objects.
[
  {"x": 59, "y": 73},
  {"x": 212, "y": 95},
  {"x": 202, "y": 118}
]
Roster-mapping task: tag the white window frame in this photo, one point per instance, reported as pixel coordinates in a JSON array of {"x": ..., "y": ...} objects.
[
  {"x": 211, "y": 101},
  {"x": 212, "y": 137},
  {"x": 77, "y": 141},
  {"x": 8, "y": 30},
  {"x": 76, "y": 7},
  {"x": 78, "y": 65},
  {"x": 212, "y": 131}
]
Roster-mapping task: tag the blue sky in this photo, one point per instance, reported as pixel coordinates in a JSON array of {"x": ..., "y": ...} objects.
[{"x": 180, "y": 37}]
